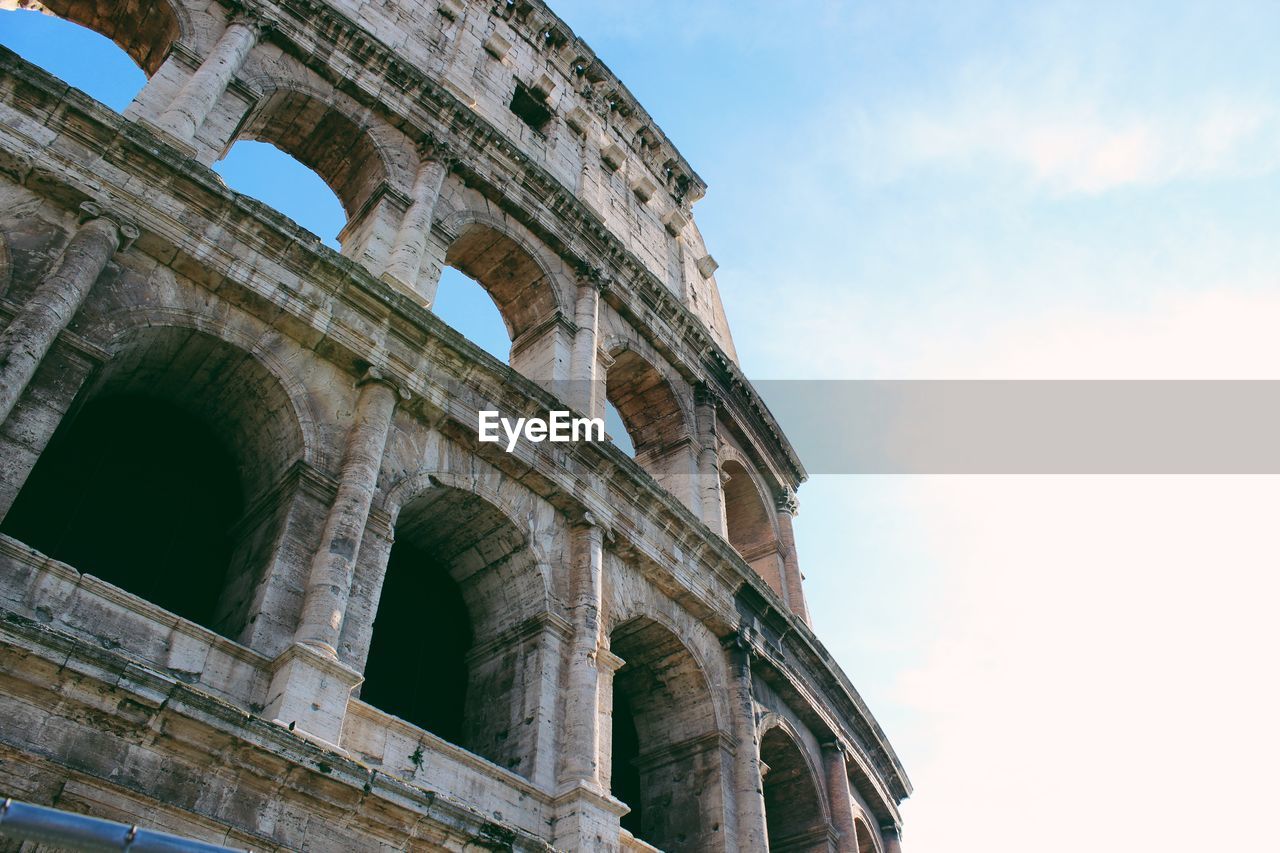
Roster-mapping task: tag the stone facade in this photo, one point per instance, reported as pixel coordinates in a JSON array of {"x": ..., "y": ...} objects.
[{"x": 261, "y": 584}]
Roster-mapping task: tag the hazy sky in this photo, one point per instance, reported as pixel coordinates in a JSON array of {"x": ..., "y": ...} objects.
[{"x": 1000, "y": 190}]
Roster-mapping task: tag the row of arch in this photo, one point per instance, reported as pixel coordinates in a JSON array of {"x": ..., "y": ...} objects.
[{"x": 156, "y": 482}]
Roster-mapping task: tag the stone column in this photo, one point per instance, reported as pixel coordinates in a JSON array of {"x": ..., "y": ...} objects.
[
  {"x": 32, "y": 331},
  {"x": 892, "y": 837},
  {"x": 411, "y": 239},
  {"x": 712, "y": 491},
  {"x": 582, "y": 363},
  {"x": 787, "y": 506},
  {"x": 752, "y": 831},
  {"x": 841, "y": 798},
  {"x": 197, "y": 97},
  {"x": 333, "y": 566},
  {"x": 581, "y": 745}
]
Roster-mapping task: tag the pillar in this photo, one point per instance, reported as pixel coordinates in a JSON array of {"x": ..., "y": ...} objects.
[
  {"x": 411, "y": 239},
  {"x": 752, "y": 831},
  {"x": 581, "y": 746},
  {"x": 841, "y": 798},
  {"x": 787, "y": 506},
  {"x": 193, "y": 103},
  {"x": 27, "y": 339},
  {"x": 333, "y": 566},
  {"x": 582, "y": 362},
  {"x": 712, "y": 491}
]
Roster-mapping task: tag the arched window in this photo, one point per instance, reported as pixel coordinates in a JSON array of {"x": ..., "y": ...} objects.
[
  {"x": 793, "y": 809},
  {"x": 866, "y": 840},
  {"x": 464, "y": 304},
  {"x": 76, "y": 45},
  {"x": 146, "y": 484},
  {"x": 750, "y": 525},
  {"x": 444, "y": 655},
  {"x": 524, "y": 294},
  {"x": 275, "y": 178},
  {"x": 647, "y": 407},
  {"x": 665, "y": 753}
]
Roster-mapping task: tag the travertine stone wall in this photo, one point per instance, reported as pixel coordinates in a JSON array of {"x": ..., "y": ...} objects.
[{"x": 128, "y": 270}]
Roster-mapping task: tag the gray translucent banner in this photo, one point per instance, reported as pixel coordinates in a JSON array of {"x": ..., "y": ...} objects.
[{"x": 1030, "y": 427}]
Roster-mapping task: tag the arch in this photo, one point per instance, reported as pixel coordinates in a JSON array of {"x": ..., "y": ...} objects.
[
  {"x": 650, "y": 409},
  {"x": 866, "y": 839},
  {"x": 147, "y": 31},
  {"x": 309, "y": 127},
  {"x": 795, "y": 816},
  {"x": 151, "y": 480},
  {"x": 749, "y": 523},
  {"x": 516, "y": 277},
  {"x": 448, "y": 651},
  {"x": 667, "y": 759}
]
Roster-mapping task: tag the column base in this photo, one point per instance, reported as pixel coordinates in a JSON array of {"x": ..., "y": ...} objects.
[
  {"x": 166, "y": 135},
  {"x": 309, "y": 693},
  {"x": 587, "y": 820}
]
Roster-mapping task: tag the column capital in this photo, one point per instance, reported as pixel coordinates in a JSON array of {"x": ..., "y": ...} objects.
[
  {"x": 594, "y": 277},
  {"x": 836, "y": 746},
  {"x": 705, "y": 395},
  {"x": 433, "y": 149},
  {"x": 251, "y": 19},
  {"x": 376, "y": 375},
  {"x": 126, "y": 231},
  {"x": 786, "y": 501}
]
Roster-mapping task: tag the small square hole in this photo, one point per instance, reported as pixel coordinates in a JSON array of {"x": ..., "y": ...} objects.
[{"x": 532, "y": 110}]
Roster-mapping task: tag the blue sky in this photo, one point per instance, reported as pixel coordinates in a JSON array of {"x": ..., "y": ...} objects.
[{"x": 997, "y": 190}]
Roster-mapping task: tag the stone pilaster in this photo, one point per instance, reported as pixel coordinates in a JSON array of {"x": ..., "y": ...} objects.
[
  {"x": 712, "y": 490},
  {"x": 197, "y": 97},
  {"x": 581, "y": 746},
  {"x": 582, "y": 362},
  {"x": 841, "y": 798},
  {"x": 411, "y": 239},
  {"x": 29, "y": 335},
  {"x": 332, "y": 568},
  {"x": 752, "y": 831},
  {"x": 787, "y": 507}
]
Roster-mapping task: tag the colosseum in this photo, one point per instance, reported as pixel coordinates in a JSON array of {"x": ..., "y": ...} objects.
[{"x": 262, "y": 585}]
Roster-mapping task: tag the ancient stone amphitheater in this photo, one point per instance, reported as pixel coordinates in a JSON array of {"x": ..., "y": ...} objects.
[{"x": 261, "y": 584}]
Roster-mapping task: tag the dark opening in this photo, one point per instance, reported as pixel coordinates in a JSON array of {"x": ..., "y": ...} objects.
[
  {"x": 141, "y": 494},
  {"x": 417, "y": 666},
  {"x": 793, "y": 815},
  {"x": 624, "y": 784},
  {"x": 531, "y": 109}
]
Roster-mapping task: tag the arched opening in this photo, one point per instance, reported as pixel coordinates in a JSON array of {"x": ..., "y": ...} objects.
[
  {"x": 524, "y": 294},
  {"x": 145, "y": 485},
  {"x": 653, "y": 420},
  {"x": 793, "y": 810},
  {"x": 616, "y": 429},
  {"x": 276, "y": 179},
  {"x": 464, "y": 304},
  {"x": 866, "y": 840},
  {"x": 313, "y": 139},
  {"x": 84, "y": 45},
  {"x": 445, "y": 655},
  {"x": 666, "y": 761},
  {"x": 749, "y": 524}
]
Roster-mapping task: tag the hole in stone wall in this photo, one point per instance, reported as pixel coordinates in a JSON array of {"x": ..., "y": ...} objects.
[
  {"x": 140, "y": 494},
  {"x": 625, "y": 754},
  {"x": 531, "y": 109},
  {"x": 75, "y": 54},
  {"x": 617, "y": 430}
]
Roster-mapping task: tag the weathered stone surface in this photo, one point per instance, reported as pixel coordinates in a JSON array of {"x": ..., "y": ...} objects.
[{"x": 279, "y": 595}]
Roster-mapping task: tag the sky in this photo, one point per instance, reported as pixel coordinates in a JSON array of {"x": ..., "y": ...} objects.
[{"x": 955, "y": 190}]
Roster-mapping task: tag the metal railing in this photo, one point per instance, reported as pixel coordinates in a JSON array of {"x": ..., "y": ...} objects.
[{"x": 70, "y": 831}]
